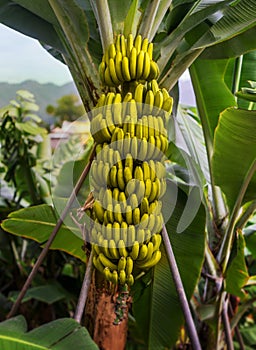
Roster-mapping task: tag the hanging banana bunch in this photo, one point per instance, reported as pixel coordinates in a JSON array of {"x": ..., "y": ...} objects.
[{"x": 127, "y": 174}]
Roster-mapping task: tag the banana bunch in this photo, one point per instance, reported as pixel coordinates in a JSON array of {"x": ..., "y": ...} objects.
[
  {"x": 127, "y": 175},
  {"x": 127, "y": 60}
]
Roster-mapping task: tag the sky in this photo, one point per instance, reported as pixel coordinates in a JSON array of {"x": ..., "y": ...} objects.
[{"x": 23, "y": 58}]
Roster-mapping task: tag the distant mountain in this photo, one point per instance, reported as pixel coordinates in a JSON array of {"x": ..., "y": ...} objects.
[{"x": 45, "y": 94}]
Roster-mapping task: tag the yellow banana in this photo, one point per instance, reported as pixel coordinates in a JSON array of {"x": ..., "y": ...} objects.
[
  {"x": 112, "y": 71},
  {"x": 113, "y": 176},
  {"x": 99, "y": 211},
  {"x": 117, "y": 213},
  {"x": 151, "y": 147},
  {"x": 108, "y": 234},
  {"x": 122, "y": 249},
  {"x": 125, "y": 69},
  {"x": 123, "y": 231},
  {"x": 128, "y": 215},
  {"x": 159, "y": 99},
  {"x": 151, "y": 164},
  {"x": 107, "y": 77},
  {"x": 154, "y": 70},
  {"x": 156, "y": 256},
  {"x": 107, "y": 262},
  {"x": 149, "y": 102},
  {"x": 144, "y": 45},
  {"x": 154, "y": 86},
  {"x": 148, "y": 187},
  {"x": 133, "y": 59},
  {"x": 118, "y": 43},
  {"x": 151, "y": 222},
  {"x": 123, "y": 45},
  {"x": 110, "y": 215},
  {"x": 111, "y": 51},
  {"x": 115, "y": 277},
  {"x": 144, "y": 221},
  {"x": 134, "y": 147},
  {"x": 126, "y": 144},
  {"x": 129, "y": 265},
  {"x": 151, "y": 130},
  {"x": 130, "y": 280},
  {"x": 105, "y": 135},
  {"x": 139, "y": 92},
  {"x": 118, "y": 66},
  {"x": 146, "y": 67},
  {"x": 154, "y": 192},
  {"x": 113, "y": 249},
  {"x": 150, "y": 50},
  {"x": 158, "y": 148},
  {"x": 129, "y": 161},
  {"x": 133, "y": 201},
  {"x": 156, "y": 241},
  {"x": 137, "y": 43},
  {"x": 138, "y": 173},
  {"x": 146, "y": 171},
  {"x": 136, "y": 216},
  {"x": 135, "y": 250},
  {"x": 115, "y": 194},
  {"x": 142, "y": 154},
  {"x": 129, "y": 45},
  {"x": 144, "y": 206},
  {"x": 164, "y": 143},
  {"x": 167, "y": 105},
  {"x": 96, "y": 262},
  {"x": 140, "y": 190},
  {"x": 158, "y": 224},
  {"x": 131, "y": 235},
  {"x": 130, "y": 187},
  {"x": 122, "y": 277},
  {"x": 140, "y": 64},
  {"x": 127, "y": 174},
  {"x": 120, "y": 179},
  {"x": 139, "y": 130},
  {"x": 144, "y": 120},
  {"x": 102, "y": 68},
  {"x": 133, "y": 113},
  {"x": 107, "y": 274},
  {"x": 116, "y": 231},
  {"x": 143, "y": 252},
  {"x": 121, "y": 263},
  {"x": 105, "y": 250},
  {"x": 140, "y": 235},
  {"x": 96, "y": 249},
  {"x": 109, "y": 121}
]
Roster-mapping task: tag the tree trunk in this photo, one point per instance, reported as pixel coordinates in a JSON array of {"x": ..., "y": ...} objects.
[{"x": 103, "y": 305}]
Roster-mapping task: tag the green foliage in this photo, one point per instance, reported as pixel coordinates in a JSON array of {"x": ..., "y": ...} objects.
[{"x": 59, "y": 334}]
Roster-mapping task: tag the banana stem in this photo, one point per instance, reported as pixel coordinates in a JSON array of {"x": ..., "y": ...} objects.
[
  {"x": 103, "y": 18},
  {"x": 148, "y": 19},
  {"x": 181, "y": 292},
  {"x": 84, "y": 290},
  {"x": 56, "y": 229}
]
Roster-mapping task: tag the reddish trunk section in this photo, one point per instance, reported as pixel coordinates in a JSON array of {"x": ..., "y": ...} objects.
[{"x": 100, "y": 316}]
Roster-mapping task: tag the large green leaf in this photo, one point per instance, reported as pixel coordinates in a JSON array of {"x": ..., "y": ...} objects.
[
  {"x": 156, "y": 305},
  {"x": 238, "y": 17},
  {"x": 212, "y": 93},
  {"x": 234, "y": 153},
  {"x": 38, "y": 222},
  {"x": 233, "y": 47},
  {"x": 62, "y": 334},
  {"x": 237, "y": 273},
  {"x": 29, "y": 23}
]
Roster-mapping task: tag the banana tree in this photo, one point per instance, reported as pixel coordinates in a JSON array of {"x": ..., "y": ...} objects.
[{"x": 210, "y": 162}]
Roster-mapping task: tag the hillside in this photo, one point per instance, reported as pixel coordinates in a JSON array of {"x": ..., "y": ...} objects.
[{"x": 45, "y": 94}]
